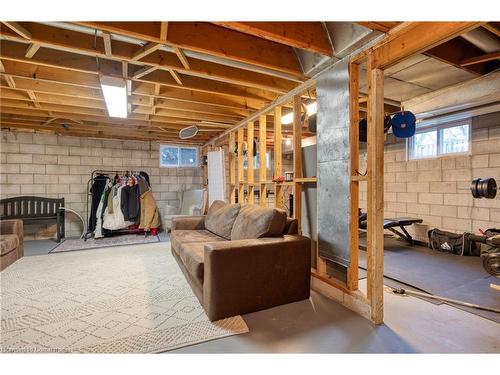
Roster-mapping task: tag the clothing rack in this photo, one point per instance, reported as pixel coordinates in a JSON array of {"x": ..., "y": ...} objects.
[{"x": 94, "y": 174}]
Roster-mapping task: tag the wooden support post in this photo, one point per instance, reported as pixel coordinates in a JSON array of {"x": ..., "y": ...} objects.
[
  {"x": 278, "y": 167},
  {"x": 352, "y": 272},
  {"x": 375, "y": 211},
  {"x": 232, "y": 175},
  {"x": 297, "y": 161},
  {"x": 262, "y": 160},
  {"x": 241, "y": 187},
  {"x": 250, "y": 158}
]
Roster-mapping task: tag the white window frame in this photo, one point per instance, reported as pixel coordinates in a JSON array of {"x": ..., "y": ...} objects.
[
  {"x": 439, "y": 128},
  {"x": 197, "y": 149}
]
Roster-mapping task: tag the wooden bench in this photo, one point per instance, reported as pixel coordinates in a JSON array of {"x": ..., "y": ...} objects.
[{"x": 34, "y": 210}]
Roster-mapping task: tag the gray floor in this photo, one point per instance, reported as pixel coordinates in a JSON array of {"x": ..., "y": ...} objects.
[{"x": 319, "y": 325}]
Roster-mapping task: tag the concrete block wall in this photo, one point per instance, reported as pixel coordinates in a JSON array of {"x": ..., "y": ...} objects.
[
  {"x": 437, "y": 190},
  {"x": 60, "y": 166}
]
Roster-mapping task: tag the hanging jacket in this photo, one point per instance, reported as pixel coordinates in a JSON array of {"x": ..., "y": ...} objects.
[
  {"x": 98, "y": 185},
  {"x": 130, "y": 203},
  {"x": 115, "y": 220},
  {"x": 99, "y": 212},
  {"x": 150, "y": 217}
]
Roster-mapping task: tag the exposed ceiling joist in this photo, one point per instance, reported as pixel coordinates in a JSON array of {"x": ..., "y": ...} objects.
[
  {"x": 143, "y": 71},
  {"x": 18, "y": 29},
  {"x": 310, "y": 36},
  {"x": 491, "y": 27},
  {"x": 163, "y": 31},
  {"x": 480, "y": 59},
  {"x": 213, "y": 40},
  {"x": 176, "y": 77}
]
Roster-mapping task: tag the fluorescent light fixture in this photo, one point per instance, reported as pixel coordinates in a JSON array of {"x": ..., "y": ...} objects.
[
  {"x": 114, "y": 90},
  {"x": 312, "y": 108}
]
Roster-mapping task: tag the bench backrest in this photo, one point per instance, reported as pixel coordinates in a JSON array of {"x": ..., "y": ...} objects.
[{"x": 28, "y": 207}]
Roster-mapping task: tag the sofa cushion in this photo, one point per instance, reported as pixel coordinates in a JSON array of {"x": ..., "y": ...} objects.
[
  {"x": 220, "y": 218},
  {"x": 192, "y": 256},
  {"x": 180, "y": 237},
  {"x": 254, "y": 222},
  {"x": 8, "y": 242}
]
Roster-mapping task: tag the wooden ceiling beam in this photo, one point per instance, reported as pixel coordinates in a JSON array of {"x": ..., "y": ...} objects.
[
  {"x": 31, "y": 50},
  {"x": 141, "y": 72},
  {"x": 309, "y": 36},
  {"x": 416, "y": 37},
  {"x": 160, "y": 59},
  {"x": 106, "y": 36},
  {"x": 182, "y": 58},
  {"x": 456, "y": 50},
  {"x": 163, "y": 31},
  {"x": 213, "y": 40},
  {"x": 480, "y": 59},
  {"x": 383, "y": 27},
  {"x": 176, "y": 77},
  {"x": 146, "y": 50},
  {"x": 18, "y": 29},
  {"x": 491, "y": 27}
]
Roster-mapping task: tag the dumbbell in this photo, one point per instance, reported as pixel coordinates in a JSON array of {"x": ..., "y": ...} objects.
[{"x": 484, "y": 188}]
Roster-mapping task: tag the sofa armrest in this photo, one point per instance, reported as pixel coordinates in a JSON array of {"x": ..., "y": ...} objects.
[
  {"x": 251, "y": 275},
  {"x": 14, "y": 227},
  {"x": 188, "y": 223}
]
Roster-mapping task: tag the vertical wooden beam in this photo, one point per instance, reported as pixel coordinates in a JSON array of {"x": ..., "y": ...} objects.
[
  {"x": 250, "y": 159},
  {"x": 352, "y": 272},
  {"x": 375, "y": 211},
  {"x": 262, "y": 159},
  {"x": 278, "y": 167},
  {"x": 106, "y": 36},
  {"x": 241, "y": 186},
  {"x": 232, "y": 175},
  {"x": 163, "y": 31},
  {"x": 297, "y": 161}
]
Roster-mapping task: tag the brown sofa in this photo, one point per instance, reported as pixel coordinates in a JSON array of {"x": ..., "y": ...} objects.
[
  {"x": 11, "y": 242},
  {"x": 240, "y": 259}
]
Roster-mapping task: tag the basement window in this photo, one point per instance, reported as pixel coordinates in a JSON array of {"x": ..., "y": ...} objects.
[
  {"x": 172, "y": 156},
  {"x": 256, "y": 161},
  {"x": 440, "y": 140}
]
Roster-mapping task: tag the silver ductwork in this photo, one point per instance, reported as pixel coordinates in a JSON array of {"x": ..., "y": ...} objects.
[{"x": 482, "y": 39}]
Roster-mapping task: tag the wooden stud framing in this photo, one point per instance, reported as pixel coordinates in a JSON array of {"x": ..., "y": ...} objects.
[
  {"x": 143, "y": 71},
  {"x": 176, "y": 77},
  {"x": 241, "y": 174},
  {"x": 163, "y": 31},
  {"x": 262, "y": 160},
  {"x": 232, "y": 165},
  {"x": 182, "y": 57},
  {"x": 352, "y": 272},
  {"x": 146, "y": 50},
  {"x": 278, "y": 155},
  {"x": 250, "y": 159},
  {"x": 375, "y": 207},
  {"x": 297, "y": 161}
]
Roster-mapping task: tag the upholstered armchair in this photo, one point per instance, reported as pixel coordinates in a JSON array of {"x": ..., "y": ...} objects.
[{"x": 191, "y": 203}]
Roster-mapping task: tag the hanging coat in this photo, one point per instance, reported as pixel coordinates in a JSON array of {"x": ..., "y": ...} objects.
[
  {"x": 150, "y": 218},
  {"x": 99, "y": 211},
  {"x": 115, "y": 220}
]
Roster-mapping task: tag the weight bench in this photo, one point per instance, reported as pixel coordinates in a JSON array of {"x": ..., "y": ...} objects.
[
  {"x": 394, "y": 222},
  {"x": 34, "y": 210}
]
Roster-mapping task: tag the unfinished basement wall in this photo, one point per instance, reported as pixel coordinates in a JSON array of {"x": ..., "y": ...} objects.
[
  {"x": 437, "y": 190},
  {"x": 60, "y": 166}
]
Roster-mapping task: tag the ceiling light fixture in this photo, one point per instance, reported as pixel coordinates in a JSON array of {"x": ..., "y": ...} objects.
[
  {"x": 312, "y": 108},
  {"x": 114, "y": 90}
]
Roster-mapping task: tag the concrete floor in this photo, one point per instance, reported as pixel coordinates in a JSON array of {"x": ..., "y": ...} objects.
[{"x": 319, "y": 325}]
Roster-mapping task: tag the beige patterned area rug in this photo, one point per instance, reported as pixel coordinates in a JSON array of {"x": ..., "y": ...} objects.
[{"x": 114, "y": 300}]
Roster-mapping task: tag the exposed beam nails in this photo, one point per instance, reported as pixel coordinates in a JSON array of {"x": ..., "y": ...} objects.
[
  {"x": 31, "y": 50},
  {"x": 17, "y": 28}
]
